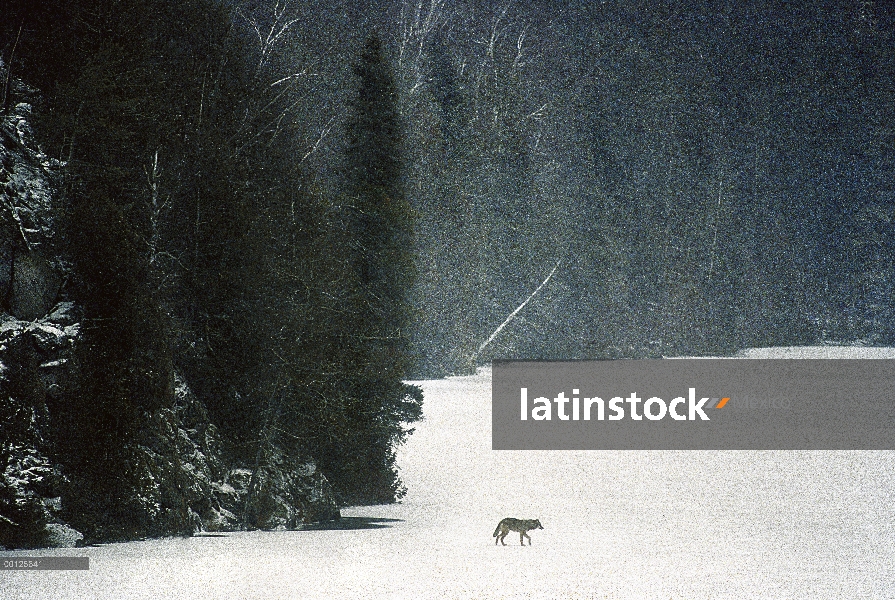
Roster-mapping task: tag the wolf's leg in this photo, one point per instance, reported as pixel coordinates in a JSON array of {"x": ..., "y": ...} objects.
[
  {"x": 522, "y": 537},
  {"x": 502, "y": 536}
]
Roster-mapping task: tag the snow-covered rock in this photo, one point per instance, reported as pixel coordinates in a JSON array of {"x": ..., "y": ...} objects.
[
  {"x": 30, "y": 279},
  {"x": 63, "y": 315},
  {"x": 48, "y": 338},
  {"x": 60, "y": 535},
  {"x": 283, "y": 493},
  {"x": 28, "y": 509},
  {"x": 186, "y": 466},
  {"x": 34, "y": 359},
  {"x": 188, "y": 488}
]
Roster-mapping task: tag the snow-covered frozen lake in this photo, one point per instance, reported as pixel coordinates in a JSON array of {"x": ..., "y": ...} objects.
[{"x": 680, "y": 525}]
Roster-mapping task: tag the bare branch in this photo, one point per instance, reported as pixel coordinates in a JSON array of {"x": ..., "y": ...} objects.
[
  {"x": 539, "y": 114},
  {"x": 517, "y": 62},
  {"x": 316, "y": 145},
  {"x": 416, "y": 31},
  {"x": 269, "y": 38},
  {"x": 496, "y": 33},
  {"x": 302, "y": 73},
  {"x": 715, "y": 227},
  {"x": 515, "y": 312}
]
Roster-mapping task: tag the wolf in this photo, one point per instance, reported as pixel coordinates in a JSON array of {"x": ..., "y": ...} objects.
[{"x": 521, "y": 525}]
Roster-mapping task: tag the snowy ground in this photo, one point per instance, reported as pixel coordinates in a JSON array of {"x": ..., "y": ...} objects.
[{"x": 694, "y": 525}]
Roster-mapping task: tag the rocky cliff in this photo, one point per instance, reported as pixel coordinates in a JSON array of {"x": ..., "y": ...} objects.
[{"x": 190, "y": 487}]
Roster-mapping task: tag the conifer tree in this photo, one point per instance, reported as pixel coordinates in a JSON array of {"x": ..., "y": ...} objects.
[{"x": 379, "y": 245}]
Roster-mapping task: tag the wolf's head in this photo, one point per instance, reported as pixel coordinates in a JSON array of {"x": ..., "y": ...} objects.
[{"x": 538, "y": 523}]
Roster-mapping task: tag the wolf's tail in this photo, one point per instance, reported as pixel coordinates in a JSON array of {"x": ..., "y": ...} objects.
[{"x": 496, "y": 531}]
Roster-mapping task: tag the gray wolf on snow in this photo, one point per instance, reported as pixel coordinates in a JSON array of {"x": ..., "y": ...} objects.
[{"x": 521, "y": 525}]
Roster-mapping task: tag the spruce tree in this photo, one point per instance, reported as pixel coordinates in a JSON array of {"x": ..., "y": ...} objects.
[{"x": 381, "y": 273}]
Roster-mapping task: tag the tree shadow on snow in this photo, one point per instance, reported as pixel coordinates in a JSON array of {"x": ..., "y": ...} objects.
[{"x": 351, "y": 523}]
